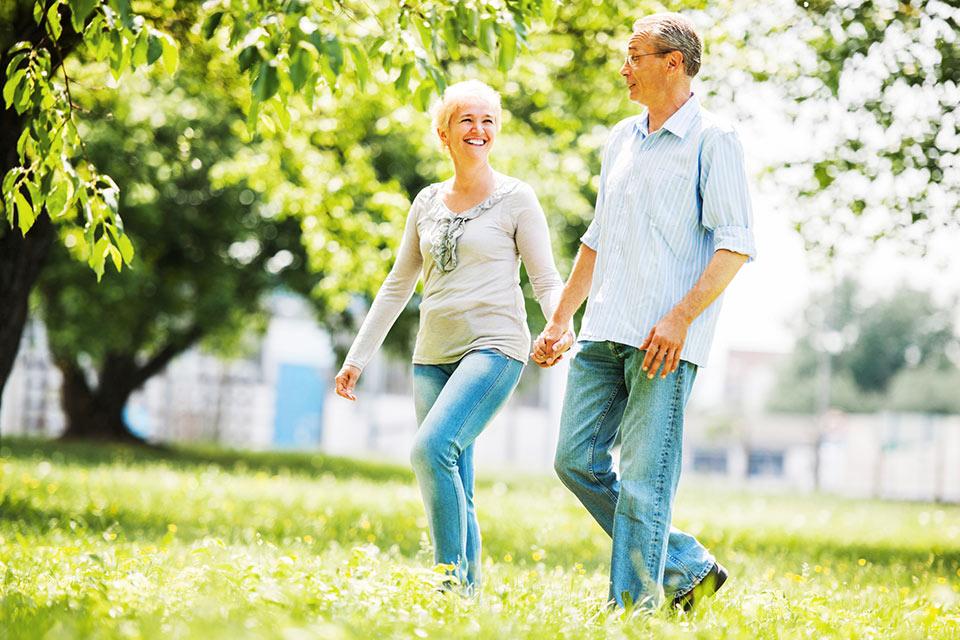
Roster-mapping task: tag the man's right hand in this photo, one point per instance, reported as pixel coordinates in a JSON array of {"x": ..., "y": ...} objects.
[
  {"x": 347, "y": 380},
  {"x": 553, "y": 341}
]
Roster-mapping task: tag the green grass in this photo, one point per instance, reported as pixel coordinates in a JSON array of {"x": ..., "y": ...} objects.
[{"x": 111, "y": 542}]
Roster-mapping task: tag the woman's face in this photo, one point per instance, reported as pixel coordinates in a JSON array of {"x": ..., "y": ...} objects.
[{"x": 473, "y": 128}]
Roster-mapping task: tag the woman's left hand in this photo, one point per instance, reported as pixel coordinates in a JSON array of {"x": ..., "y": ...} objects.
[{"x": 347, "y": 380}]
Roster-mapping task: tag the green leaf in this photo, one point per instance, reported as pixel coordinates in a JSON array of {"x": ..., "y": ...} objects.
[
  {"x": 426, "y": 33},
  {"x": 123, "y": 6},
  {"x": 53, "y": 21},
  {"x": 36, "y": 197},
  {"x": 154, "y": 49},
  {"x": 421, "y": 97},
  {"x": 79, "y": 10},
  {"x": 115, "y": 256},
  {"x": 141, "y": 49},
  {"x": 439, "y": 81},
  {"x": 98, "y": 256},
  {"x": 488, "y": 36},
  {"x": 508, "y": 50},
  {"x": 23, "y": 45},
  {"x": 9, "y": 180},
  {"x": 171, "y": 56},
  {"x": 331, "y": 48},
  {"x": 25, "y": 213},
  {"x": 15, "y": 61},
  {"x": 402, "y": 83},
  {"x": 549, "y": 11},
  {"x": 360, "y": 64},
  {"x": 248, "y": 57},
  {"x": 253, "y": 116},
  {"x": 25, "y": 145},
  {"x": 211, "y": 23},
  {"x": 451, "y": 34},
  {"x": 119, "y": 56},
  {"x": 126, "y": 247},
  {"x": 59, "y": 197},
  {"x": 10, "y": 88},
  {"x": 301, "y": 68},
  {"x": 267, "y": 83}
]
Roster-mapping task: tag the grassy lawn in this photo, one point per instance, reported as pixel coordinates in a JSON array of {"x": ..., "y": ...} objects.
[{"x": 111, "y": 542}]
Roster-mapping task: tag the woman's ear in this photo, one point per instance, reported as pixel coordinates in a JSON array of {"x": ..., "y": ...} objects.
[{"x": 443, "y": 136}]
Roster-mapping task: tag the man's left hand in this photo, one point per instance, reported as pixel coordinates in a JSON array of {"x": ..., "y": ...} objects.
[{"x": 664, "y": 344}]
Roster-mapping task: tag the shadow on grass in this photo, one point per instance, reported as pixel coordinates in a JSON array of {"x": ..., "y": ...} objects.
[{"x": 200, "y": 456}]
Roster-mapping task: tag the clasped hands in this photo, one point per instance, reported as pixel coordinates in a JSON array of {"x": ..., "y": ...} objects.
[
  {"x": 662, "y": 345},
  {"x": 551, "y": 344}
]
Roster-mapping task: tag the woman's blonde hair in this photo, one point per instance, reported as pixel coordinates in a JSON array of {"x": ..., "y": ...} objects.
[{"x": 456, "y": 94}]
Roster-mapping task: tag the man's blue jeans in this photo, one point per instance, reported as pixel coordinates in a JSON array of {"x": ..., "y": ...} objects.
[
  {"x": 608, "y": 393},
  {"x": 454, "y": 403}
]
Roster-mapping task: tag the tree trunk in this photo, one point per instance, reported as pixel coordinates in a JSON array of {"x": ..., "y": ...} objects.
[
  {"x": 97, "y": 414},
  {"x": 21, "y": 259},
  {"x": 94, "y": 414}
]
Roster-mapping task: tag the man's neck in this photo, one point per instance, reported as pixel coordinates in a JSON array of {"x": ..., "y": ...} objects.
[{"x": 659, "y": 111}]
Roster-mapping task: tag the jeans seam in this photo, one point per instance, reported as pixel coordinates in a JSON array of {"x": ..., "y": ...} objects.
[
  {"x": 596, "y": 434},
  {"x": 655, "y": 541}
]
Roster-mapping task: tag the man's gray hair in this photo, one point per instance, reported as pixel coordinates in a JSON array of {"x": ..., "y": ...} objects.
[{"x": 673, "y": 32}]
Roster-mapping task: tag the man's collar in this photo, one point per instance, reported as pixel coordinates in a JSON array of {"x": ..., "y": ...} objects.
[{"x": 678, "y": 124}]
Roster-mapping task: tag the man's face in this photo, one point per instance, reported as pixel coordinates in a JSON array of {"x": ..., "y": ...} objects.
[{"x": 646, "y": 69}]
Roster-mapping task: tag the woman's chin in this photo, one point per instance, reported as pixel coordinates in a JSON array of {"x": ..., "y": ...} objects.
[{"x": 475, "y": 154}]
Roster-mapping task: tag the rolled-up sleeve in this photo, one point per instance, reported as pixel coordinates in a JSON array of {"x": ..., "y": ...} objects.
[
  {"x": 726, "y": 198},
  {"x": 591, "y": 236}
]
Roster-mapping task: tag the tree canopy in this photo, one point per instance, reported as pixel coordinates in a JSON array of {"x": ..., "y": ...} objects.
[{"x": 877, "y": 88}]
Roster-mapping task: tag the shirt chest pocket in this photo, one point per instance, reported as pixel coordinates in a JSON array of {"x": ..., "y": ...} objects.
[{"x": 671, "y": 207}]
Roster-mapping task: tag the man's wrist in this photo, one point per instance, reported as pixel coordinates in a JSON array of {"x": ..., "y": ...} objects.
[
  {"x": 681, "y": 314},
  {"x": 560, "y": 320}
]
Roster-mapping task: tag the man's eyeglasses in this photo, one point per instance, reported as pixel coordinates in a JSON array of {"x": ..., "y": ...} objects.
[{"x": 633, "y": 59}]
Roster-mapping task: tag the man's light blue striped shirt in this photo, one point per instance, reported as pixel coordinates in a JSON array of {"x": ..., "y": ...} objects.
[{"x": 667, "y": 201}]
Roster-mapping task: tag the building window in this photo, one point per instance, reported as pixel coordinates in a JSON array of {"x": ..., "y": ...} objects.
[
  {"x": 765, "y": 463},
  {"x": 710, "y": 461}
]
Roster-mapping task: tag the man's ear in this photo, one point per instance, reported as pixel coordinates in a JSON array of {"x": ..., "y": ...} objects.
[{"x": 675, "y": 60}]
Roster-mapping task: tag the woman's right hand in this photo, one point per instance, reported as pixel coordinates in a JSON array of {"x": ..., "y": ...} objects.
[{"x": 347, "y": 380}]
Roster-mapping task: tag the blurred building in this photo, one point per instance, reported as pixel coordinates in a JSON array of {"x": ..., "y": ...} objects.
[{"x": 273, "y": 397}]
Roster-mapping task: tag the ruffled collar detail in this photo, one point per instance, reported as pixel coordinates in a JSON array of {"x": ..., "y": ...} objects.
[{"x": 450, "y": 225}]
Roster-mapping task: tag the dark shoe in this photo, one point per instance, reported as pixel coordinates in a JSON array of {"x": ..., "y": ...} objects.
[{"x": 710, "y": 584}]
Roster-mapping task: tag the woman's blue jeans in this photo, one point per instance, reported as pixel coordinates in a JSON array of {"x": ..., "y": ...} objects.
[
  {"x": 609, "y": 395},
  {"x": 454, "y": 403}
]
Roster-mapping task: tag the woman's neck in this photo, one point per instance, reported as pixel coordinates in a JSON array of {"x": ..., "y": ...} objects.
[{"x": 472, "y": 177}]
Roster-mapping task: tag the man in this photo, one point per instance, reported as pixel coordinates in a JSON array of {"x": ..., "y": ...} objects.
[{"x": 672, "y": 227}]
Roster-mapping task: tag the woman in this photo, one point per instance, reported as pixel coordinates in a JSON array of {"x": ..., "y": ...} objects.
[{"x": 466, "y": 235}]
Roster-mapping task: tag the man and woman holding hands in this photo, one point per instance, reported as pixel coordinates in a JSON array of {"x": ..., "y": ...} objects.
[{"x": 671, "y": 228}]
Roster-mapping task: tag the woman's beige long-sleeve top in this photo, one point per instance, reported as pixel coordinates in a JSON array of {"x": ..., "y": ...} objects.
[{"x": 478, "y": 304}]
